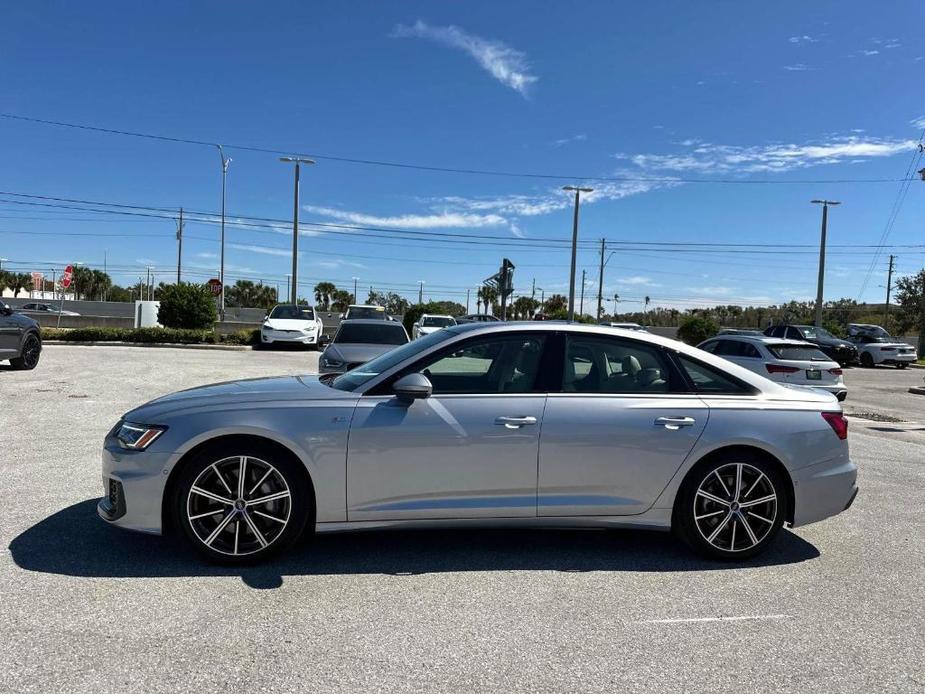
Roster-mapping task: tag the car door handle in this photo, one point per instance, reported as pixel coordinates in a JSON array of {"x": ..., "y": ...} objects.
[
  {"x": 675, "y": 423},
  {"x": 515, "y": 422}
]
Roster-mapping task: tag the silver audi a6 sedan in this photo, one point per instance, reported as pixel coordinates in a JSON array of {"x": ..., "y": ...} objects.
[{"x": 514, "y": 424}]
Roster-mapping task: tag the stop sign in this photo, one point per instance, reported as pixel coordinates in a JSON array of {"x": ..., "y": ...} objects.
[
  {"x": 66, "y": 277},
  {"x": 215, "y": 286}
]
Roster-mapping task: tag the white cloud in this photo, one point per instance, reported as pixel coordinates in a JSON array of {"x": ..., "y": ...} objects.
[
  {"x": 710, "y": 291},
  {"x": 798, "y": 67},
  {"x": 336, "y": 264},
  {"x": 705, "y": 157},
  {"x": 517, "y": 231},
  {"x": 507, "y": 65},
  {"x": 802, "y": 39},
  {"x": 569, "y": 140},
  {"x": 264, "y": 250},
  {"x": 638, "y": 280},
  {"x": 873, "y": 52},
  {"x": 438, "y": 220},
  {"x": 918, "y": 122},
  {"x": 206, "y": 254}
]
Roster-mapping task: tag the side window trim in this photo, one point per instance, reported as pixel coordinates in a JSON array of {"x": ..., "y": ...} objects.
[{"x": 675, "y": 355}]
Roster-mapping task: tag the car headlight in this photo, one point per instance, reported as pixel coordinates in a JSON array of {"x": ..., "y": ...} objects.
[{"x": 137, "y": 437}]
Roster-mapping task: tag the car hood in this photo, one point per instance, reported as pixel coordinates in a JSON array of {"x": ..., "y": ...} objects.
[
  {"x": 289, "y": 324},
  {"x": 237, "y": 394},
  {"x": 831, "y": 342},
  {"x": 356, "y": 352}
]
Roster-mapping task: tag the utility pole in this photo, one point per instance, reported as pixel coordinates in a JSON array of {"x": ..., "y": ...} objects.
[
  {"x": 295, "y": 225},
  {"x": 825, "y": 216},
  {"x": 221, "y": 268},
  {"x": 889, "y": 286},
  {"x": 581, "y": 306},
  {"x": 467, "y": 301},
  {"x": 420, "y": 292},
  {"x": 571, "y": 282},
  {"x": 600, "y": 283},
  {"x": 533, "y": 289},
  {"x": 355, "y": 290},
  {"x": 180, "y": 250}
]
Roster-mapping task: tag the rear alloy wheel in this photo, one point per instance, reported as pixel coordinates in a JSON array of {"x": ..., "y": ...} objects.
[
  {"x": 731, "y": 510},
  {"x": 28, "y": 359},
  {"x": 867, "y": 361},
  {"x": 901, "y": 365},
  {"x": 240, "y": 508}
]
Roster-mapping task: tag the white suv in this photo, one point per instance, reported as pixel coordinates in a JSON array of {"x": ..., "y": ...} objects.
[
  {"x": 429, "y": 323},
  {"x": 293, "y": 324},
  {"x": 786, "y": 361}
]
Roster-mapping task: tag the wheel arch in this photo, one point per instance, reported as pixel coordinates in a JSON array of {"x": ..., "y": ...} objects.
[
  {"x": 222, "y": 440},
  {"x": 731, "y": 451}
]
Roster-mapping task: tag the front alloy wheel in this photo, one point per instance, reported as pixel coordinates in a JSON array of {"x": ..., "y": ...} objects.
[
  {"x": 240, "y": 508},
  {"x": 731, "y": 509},
  {"x": 28, "y": 359}
]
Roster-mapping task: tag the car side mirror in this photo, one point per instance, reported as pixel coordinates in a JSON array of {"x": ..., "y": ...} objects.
[
  {"x": 5, "y": 310},
  {"x": 324, "y": 340},
  {"x": 412, "y": 387}
]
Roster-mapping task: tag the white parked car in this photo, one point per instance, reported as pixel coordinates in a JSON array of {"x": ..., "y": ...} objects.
[
  {"x": 791, "y": 362},
  {"x": 292, "y": 324},
  {"x": 876, "y": 346},
  {"x": 365, "y": 312},
  {"x": 429, "y": 323},
  {"x": 625, "y": 326}
]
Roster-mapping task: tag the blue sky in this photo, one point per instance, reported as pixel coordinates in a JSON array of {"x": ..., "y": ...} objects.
[{"x": 744, "y": 92}]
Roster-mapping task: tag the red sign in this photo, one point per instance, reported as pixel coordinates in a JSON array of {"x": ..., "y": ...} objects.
[
  {"x": 38, "y": 280},
  {"x": 215, "y": 286},
  {"x": 66, "y": 277}
]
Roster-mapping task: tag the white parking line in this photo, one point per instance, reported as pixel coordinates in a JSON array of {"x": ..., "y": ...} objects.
[{"x": 687, "y": 620}]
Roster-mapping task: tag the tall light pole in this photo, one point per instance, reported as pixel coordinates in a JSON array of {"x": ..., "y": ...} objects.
[
  {"x": 825, "y": 216},
  {"x": 221, "y": 267},
  {"x": 295, "y": 225},
  {"x": 355, "y": 290},
  {"x": 571, "y": 281},
  {"x": 420, "y": 292}
]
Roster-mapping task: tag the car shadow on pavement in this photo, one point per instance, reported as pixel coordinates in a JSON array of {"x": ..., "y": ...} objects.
[{"x": 75, "y": 542}]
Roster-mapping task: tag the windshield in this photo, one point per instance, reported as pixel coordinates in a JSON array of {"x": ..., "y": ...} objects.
[
  {"x": 371, "y": 334},
  {"x": 797, "y": 353},
  {"x": 365, "y": 312},
  {"x": 356, "y": 378},
  {"x": 437, "y": 322},
  {"x": 874, "y": 332},
  {"x": 291, "y": 312}
]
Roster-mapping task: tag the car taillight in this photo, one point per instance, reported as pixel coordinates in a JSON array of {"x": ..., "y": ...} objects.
[
  {"x": 835, "y": 372},
  {"x": 778, "y": 369},
  {"x": 838, "y": 423}
]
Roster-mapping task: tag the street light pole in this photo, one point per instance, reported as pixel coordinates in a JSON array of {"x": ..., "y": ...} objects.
[
  {"x": 355, "y": 290},
  {"x": 825, "y": 216},
  {"x": 571, "y": 282},
  {"x": 221, "y": 268},
  {"x": 295, "y": 225},
  {"x": 421, "y": 292}
]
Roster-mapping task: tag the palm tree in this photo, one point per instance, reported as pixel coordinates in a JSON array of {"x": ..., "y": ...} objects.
[
  {"x": 555, "y": 304},
  {"x": 19, "y": 281},
  {"x": 324, "y": 294},
  {"x": 341, "y": 300},
  {"x": 488, "y": 296}
]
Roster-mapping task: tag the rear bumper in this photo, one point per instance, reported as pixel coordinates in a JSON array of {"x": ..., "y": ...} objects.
[
  {"x": 823, "y": 490},
  {"x": 838, "y": 390}
]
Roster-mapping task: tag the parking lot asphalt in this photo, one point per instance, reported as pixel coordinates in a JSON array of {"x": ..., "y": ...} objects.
[{"x": 832, "y": 607}]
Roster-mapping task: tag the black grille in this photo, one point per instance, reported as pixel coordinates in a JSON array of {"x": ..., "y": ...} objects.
[{"x": 116, "y": 499}]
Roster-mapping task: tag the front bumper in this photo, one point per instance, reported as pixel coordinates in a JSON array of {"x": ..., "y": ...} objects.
[
  {"x": 291, "y": 336},
  {"x": 133, "y": 488},
  {"x": 823, "y": 490}
]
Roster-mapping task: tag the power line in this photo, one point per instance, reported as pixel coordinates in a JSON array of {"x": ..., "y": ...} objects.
[{"x": 435, "y": 169}]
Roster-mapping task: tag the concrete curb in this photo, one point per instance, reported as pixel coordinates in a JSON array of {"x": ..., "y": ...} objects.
[{"x": 171, "y": 345}]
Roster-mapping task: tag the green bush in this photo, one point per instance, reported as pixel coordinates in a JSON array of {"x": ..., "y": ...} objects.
[
  {"x": 242, "y": 337},
  {"x": 186, "y": 306},
  {"x": 695, "y": 329},
  {"x": 247, "y": 336}
]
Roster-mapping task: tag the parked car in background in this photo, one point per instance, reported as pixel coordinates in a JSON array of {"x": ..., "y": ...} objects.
[
  {"x": 365, "y": 312},
  {"x": 836, "y": 348},
  {"x": 429, "y": 323},
  {"x": 292, "y": 324},
  {"x": 793, "y": 362},
  {"x": 637, "y": 430},
  {"x": 624, "y": 326},
  {"x": 20, "y": 339},
  {"x": 477, "y": 318},
  {"x": 876, "y": 346},
  {"x": 357, "y": 341},
  {"x": 740, "y": 331},
  {"x": 45, "y": 308}
]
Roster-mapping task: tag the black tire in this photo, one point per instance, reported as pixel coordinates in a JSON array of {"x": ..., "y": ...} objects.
[
  {"x": 245, "y": 537},
  {"x": 696, "y": 518},
  {"x": 901, "y": 365},
  {"x": 867, "y": 361},
  {"x": 29, "y": 356}
]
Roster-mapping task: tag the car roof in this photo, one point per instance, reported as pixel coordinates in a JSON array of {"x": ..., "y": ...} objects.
[
  {"x": 289, "y": 303},
  {"x": 763, "y": 339},
  {"x": 370, "y": 321},
  {"x": 436, "y": 315},
  {"x": 374, "y": 306}
]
